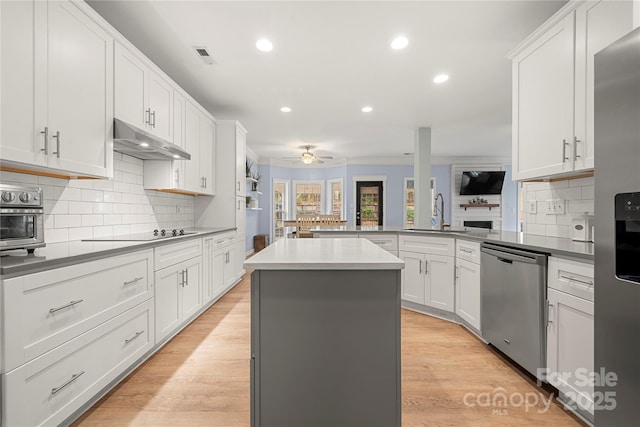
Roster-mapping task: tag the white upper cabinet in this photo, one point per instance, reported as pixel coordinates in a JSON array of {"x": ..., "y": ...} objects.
[
  {"x": 57, "y": 89},
  {"x": 241, "y": 159},
  {"x": 142, "y": 97},
  {"x": 553, "y": 88},
  {"x": 207, "y": 148}
]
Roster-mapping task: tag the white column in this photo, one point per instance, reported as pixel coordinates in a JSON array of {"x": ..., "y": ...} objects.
[{"x": 422, "y": 178}]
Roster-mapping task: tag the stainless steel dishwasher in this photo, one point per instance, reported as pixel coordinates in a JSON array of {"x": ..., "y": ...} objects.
[{"x": 514, "y": 291}]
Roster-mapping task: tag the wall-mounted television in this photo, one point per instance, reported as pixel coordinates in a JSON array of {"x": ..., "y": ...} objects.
[{"x": 481, "y": 182}]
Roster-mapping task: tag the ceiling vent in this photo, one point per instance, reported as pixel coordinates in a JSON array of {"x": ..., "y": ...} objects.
[{"x": 204, "y": 54}]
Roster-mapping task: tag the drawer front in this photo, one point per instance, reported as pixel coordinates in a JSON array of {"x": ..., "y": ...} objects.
[
  {"x": 427, "y": 245},
  {"x": 175, "y": 253},
  {"x": 572, "y": 277},
  {"x": 468, "y": 251},
  {"x": 44, "y": 310},
  {"x": 385, "y": 241},
  {"x": 50, "y": 388},
  {"x": 223, "y": 240}
]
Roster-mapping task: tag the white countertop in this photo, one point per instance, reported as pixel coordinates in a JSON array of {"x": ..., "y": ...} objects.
[{"x": 324, "y": 254}]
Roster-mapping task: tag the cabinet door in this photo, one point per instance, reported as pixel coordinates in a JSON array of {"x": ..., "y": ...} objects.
[
  {"x": 241, "y": 158},
  {"x": 570, "y": 346},
  {"x": 19, "y": 132},
  {"x": 598, "y": 24},
  {"x": 190, "y": 291},
  {"x": 179, "y": 106},
  {"x": 161, "y": 107},
  {"x": 241, "y": 250},
  {"x": 544, "y": 105},
  {"x": 230, "y": 266},
  {"x": 192, "y": 146},
  {"x": 241, "y": 216},
  {"x": 130, "y": 88},
  {"x": 207, "y": 270},
  {"x": 439, "y": 279},
  {"x": 80, "y": 91},
  {"x": 217, "y": 274},
  {"x": 207, "y": 148},
  {"x": 413, "y": 277},
  {"x": 168, "y": 284},
  {"x": 468, "y": 292}
]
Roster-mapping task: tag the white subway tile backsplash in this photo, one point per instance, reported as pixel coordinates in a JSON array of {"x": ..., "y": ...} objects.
[
  {"x": 92, "y": 220},
  {"x": 92, "y": 196},
  {"x": 578, "y": 197},
  {"x": 81, "y": 209},
  {"x": 66, "y": 221}
]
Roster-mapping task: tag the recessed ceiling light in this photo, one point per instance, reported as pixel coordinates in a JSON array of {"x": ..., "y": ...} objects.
[
  {"x": 440, "y": 78},
  {"x": 144, "y": 144},
  {"x": 264, "y": 45},
  {"x": 285, "y": 109},
  {"x": 367, "y": 109},
  {"x": 399, "y": 42}
]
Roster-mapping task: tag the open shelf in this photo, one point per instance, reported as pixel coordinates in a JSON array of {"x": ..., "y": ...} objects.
[
  {"x": 254, "y": 209},
  {"x": 479, "y": 205},
  {"x": 251, "y": 179}
]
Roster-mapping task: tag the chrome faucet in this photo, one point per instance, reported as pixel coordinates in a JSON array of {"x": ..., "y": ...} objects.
[{"x": 435, "y": 211}]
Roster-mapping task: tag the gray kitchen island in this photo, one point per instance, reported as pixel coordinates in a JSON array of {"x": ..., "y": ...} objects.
[{"x": 325, "y": 334}]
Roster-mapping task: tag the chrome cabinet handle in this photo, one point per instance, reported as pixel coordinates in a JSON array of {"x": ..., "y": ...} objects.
[
  {"x": 238, "y": 185},
  {"x": 71, "y": 304},
  {"x": 69, "y": 381},
  {"x": 153, "y": 123},
  {"x": 576, "y": 156},
  {"x": 177, "y": 177},
  {"x": 182, "y": 278},
  {"x": 45, "y": 132},
  {"x": 147, "y": 120},
  {"x": 219, "y": 241},
  {"x": 549, "y": 318},
  {"x": 573, "y": 279},
  {"x": 127, "y": 341},
  {"x": 186, "y": 277},
  {"x": 57, "y": 137},
  {"x": 564, "y": 150},
  {"x": 467, "y": 251},
  {"x": 131, "y": 282},
  {"x": 205, "y": 182},
  {"x": 420, "y": 267},
  {"x": 457, "y": 273},
  {"x": 426, "y": 267}
]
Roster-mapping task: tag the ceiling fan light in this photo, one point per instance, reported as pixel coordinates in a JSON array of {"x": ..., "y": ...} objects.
[{"x": 307, "y": 158}]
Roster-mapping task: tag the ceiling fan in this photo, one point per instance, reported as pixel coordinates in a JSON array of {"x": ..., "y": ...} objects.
[{"x": 308, "y": 157}]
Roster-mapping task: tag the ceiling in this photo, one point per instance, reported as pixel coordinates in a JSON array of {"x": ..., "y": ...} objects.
[{"x": 331, "y": 58}]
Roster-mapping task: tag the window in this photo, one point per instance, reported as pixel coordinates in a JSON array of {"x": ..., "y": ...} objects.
[
  {"x": 335, "y": 197},
  {"x": 409, "y": 203},
  {"x": 409, "y": 200},
  {"x": 308, "y": 197},
  {"x": 280, "y": 207}
]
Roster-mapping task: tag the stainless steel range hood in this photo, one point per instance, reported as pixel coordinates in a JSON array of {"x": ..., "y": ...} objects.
[{"x": 136, "y": 142}]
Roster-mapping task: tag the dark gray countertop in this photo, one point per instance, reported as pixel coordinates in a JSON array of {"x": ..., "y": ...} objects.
[
  {"x": 54, "y": 255},
  {"x": 552, "y": 245}
]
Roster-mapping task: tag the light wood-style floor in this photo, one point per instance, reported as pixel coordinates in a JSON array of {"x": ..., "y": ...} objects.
[{"x": 201, "y": 378}]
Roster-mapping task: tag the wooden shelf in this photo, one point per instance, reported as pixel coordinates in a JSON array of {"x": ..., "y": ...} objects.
[
  {"x": 254, "y": 209},
  {"x": 479, "y": 205}
]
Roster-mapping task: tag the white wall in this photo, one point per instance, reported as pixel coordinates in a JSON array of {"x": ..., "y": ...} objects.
[
  {"x": 80, "y": 209},
  {"x": 578, "y": 196}
]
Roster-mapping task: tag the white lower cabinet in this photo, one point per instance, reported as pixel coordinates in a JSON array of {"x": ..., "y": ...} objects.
[
  {"x": 428, "y": 279},
  {"x": 468, "y": 282},
  {"x": 468, "y": 292},
  {"x": 49, "y": 389},
  {"x": 177, "y": 295},
  {"x": 570, "y": 330},
  {"x": 219, "y": 265}
]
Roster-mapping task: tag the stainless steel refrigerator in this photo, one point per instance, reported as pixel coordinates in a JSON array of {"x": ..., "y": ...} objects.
[{"x": 617, "y": 232}]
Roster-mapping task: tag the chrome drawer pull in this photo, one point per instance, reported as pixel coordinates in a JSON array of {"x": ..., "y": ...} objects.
[
  {"x": 45, "y": 132},
  {"x": 468, "y": 251},
  {"x": 379, "y": 242},
  {"x": 219, "y": 241},
  {"x": 131, "y": 282},
  {"x": 134, "y": 337},
  {"x": 72, "y": 379},
  {"x": 572, "y": 279},
  {"x": 71, "y": 304}
]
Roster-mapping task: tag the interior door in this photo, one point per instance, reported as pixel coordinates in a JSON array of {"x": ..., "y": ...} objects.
[{"x": 369, "y": 200}]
